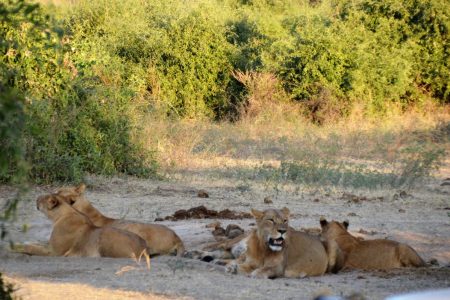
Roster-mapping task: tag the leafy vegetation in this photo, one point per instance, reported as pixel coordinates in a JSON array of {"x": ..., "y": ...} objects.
[
  {"x": 80, "y": 80},
  {"x": 6, "y": 290},
  {"x": 327, "y": 54},
  {"x": 57, "y": 114}
]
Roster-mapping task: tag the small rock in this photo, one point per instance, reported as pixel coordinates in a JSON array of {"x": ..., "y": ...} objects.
[
  {"x": 159, "y": 219},
  {"x": 401, "y": 210},
  {"x": 362, "y": 231},
  {"x": 403, "y": 194},
  {"x": 233, "y": 231},
  {"x": 207, "y": 258},
  {"x": 202, "y": 194},
  {"x": 445, "y": 183},
  {"x": 213, "y": 224},
  {"x": 218, "y": 231},
  {"x": 433, "y": 261},
  {"x": 352, "y": 214},
  {"x": 316, "y": 200},
  {"x": 268, "y": 200}
]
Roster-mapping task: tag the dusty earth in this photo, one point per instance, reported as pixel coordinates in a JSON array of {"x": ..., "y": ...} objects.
[{"x": 419, "y": 217}]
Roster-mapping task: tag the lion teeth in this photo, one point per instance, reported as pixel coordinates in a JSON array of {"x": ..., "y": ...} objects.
[{"x": 276, "y": 242}]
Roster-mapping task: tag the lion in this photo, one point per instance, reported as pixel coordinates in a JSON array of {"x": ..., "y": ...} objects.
[
  {"x": 375, "y": 254},
  {"x": 276, "y": 250},
  {"x": 74, "y": 234},
  {"x": 159, "y": 238}
]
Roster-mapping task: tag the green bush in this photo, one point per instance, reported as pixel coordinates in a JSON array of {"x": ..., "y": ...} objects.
[
  {"x": 327, "y": 54},
  {"x": 423, "y": 23},
  {"x": 193, "y": 66},
  {"x": 72, "y": 123},
  {"x": 78, "y": 80}
]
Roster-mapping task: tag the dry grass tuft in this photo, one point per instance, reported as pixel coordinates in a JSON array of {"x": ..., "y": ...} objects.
[{"x": 272, "y": 142}]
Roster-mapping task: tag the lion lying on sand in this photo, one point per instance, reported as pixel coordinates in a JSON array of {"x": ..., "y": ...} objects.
[
  {"x": 159, "y": 238},
  {"x": 276, "y": 250},
  {"x": 369, "y": 254},
  {"x": 74, "y": 234}
]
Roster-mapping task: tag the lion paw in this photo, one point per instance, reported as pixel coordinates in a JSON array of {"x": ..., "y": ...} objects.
[
  {"x": 232, "y": 268},
  {"x": 258, "y": 274}
]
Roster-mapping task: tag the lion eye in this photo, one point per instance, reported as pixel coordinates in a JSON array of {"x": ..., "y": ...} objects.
[
  {"x": 285, "y": 221},
  {"x": 271, "y": 220}
]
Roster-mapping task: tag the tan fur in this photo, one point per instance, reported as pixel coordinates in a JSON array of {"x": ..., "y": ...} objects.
[
  {"x": 159, "y": 238},
  {"x": 74, "y": 234},
  {"x": 222, "y": 252},
  {"x": 226, "y": 244},
  {"x": 300, "y": 255},
  {"x": 369, "y": 254}
]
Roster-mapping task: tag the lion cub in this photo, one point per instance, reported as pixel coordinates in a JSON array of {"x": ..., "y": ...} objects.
[
  {"x": 369, "y": 254},
  {"x": 74, "y": 234},
  {"x": 159, "y": 238},
  {"x": 275, "y": 250}
]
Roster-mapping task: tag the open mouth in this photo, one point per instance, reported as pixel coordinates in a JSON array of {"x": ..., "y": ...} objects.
[{"x": 276, "y": 243}]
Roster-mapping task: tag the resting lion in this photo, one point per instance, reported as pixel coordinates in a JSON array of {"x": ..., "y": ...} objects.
[
  {"x": 159, "y": 238},
  {"x": 74, "y": 234},
  {"x": 369, "y": 254},
  {"x": 276, "y": 250}
]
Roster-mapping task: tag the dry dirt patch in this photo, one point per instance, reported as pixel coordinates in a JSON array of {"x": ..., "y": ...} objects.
[{"x": 424, "y": 224}]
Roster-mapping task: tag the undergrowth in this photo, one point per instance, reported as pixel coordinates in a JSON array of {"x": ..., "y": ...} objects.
[{"x": 357, "y": 154}]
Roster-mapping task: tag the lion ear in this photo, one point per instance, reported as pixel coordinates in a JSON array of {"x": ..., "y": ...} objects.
[
  {"x": 323, "y": 222},
  {"x": 80, "y": 188},
  {"x": 52, "y": 202},
  {"x": 346, "y": 223},
  {"x": 286, "y": 212},
  {"x": 257, "y": 214}
]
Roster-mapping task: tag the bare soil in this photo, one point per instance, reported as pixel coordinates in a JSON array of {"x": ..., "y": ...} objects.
[{"x": 419, "y": 217}]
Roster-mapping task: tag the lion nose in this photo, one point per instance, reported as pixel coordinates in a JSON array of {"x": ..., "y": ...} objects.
[{"x": 282, "y": 231}]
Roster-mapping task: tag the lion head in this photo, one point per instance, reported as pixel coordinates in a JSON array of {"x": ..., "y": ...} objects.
[
  {"x": 53, "y": 205},
  {"x": 272, "y": 227},
  {"x": 333, "y": 229},
  {"x": 74, "y": 196}
]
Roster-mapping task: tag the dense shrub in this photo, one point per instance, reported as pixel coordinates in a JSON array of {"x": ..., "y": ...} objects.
[
  {"x": 193, "y": 66},
  {"x": 70, "y": 122},
  {"x": 76, "y": 86},
  {"x": 328, "y": 54}
]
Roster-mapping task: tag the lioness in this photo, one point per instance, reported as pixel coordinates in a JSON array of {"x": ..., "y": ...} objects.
[
  {"x": 369, "y": 254},
  {"x": 274, "y": 249},
  {"x": 159, "y": 238},
  {"x": 74, "y": 234}
]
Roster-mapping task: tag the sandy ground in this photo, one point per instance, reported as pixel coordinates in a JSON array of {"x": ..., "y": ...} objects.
[{"x": 419, "y": 217}]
